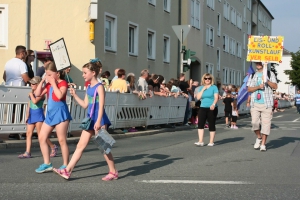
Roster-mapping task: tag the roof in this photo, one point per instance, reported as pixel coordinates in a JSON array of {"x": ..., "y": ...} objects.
[
  {"x": 261, "y": 3},
  {"x": 286, "y": 52}
]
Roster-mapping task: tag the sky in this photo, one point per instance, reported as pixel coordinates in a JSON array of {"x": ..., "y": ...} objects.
[{"x": 286, "y": 22}]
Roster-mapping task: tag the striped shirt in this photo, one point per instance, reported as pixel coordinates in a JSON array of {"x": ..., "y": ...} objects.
[{"x": 267, "y": 92}]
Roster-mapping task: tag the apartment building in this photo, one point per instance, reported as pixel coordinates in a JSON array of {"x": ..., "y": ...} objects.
[
  {"x": 128, "y": 34},
  {"x": 219, "y": 35},
  {"x": 137, "y": 35}
]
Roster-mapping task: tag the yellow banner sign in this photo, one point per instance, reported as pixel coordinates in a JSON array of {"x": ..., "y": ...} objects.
[{"x": 265, "y": 49}]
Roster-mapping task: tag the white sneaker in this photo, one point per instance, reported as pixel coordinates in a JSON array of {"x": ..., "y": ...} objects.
[
  {"x": 257, "y": 143},
  {"x": 263, "y": 148},
  {"x": 210, "y": 144},
  {"x": 201, "y": 144},
  {"x": 187, "y": 124}
]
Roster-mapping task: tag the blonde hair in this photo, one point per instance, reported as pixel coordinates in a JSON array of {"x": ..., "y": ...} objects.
[
  {"x": 205, "y": 75},
  {"x": 52, "y": 67}
]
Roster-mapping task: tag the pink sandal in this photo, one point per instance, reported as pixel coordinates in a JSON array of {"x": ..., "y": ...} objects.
[
  {"x": 54, "y": 151},
  {"x": 63, "y": 173},
  {"x": 111, "y": 176}
]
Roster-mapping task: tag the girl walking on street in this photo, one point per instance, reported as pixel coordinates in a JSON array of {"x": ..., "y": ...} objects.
[
  {"x": 58, "y": 115},
  {"x": 35, "y": 118},
  {"x": 99, "y": 120}
]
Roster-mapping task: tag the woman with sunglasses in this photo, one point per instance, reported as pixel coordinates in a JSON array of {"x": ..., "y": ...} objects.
[{"x": 208, "y": 94}]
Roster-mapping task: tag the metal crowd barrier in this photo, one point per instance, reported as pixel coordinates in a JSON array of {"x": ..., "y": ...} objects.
[{"x": 123, "y": 110}]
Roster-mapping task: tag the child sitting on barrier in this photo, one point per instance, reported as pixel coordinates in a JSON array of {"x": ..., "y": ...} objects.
[
  {"x": 58, "y": 115},
  {"x": 99, "y": 120},
  {"x": 35, "y": 118}
]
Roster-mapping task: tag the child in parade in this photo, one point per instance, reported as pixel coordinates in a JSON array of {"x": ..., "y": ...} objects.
[
  {"x": 99, "y": 120},
  {"x": 228, "y": 108},
  {"x": 235, "y": 114},
  {"x": 58, "y": 115},
  {"x": 35, "y": 118}
]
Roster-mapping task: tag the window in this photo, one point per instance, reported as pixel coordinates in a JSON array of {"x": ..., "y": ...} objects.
[
  {"x": 239, "y": 21},
  {"x": 233, "y": 77},
  {"x": 166, "y": 48},
  {"x": 219, "y": 24},
  {"x": 225, "y": 43},
  {"x": 249, "y": 4},
  {"x": 151, "y": 44},
  {"x": 233, "y": 15},
  {"x": 230, "y": 76},
  {"x": 167, "y": 5},
  {"x": 239, "y": 49},
  {"x": 210, "y": 4},
  {"x": 225, "y": 75},
  {"x": 248, "y": 28},
  {"x": 110, "y": 32},
  {"x": 244, "y": 45},
  {"x": 233, "y": 46},
  {"x": 209, "y": 35},
  {"x": 3, "y": 26},
  {"x": 195, "y": 13},
  {"x": 259, "y": 15},
  {"x": 218, "y": 60},
  {"x": 152, "y": 2},
  {"x": 133, "y": 39},
  {"x": 244, "y": 13},
  {"x": 209, "y": 68},
  {"x": 226, "y": 10}
]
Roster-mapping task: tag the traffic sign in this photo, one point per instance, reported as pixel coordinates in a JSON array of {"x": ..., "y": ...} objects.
[{"x": 177, "y": 29}]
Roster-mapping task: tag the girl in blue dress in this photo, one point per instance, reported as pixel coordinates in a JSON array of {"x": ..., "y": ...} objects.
[
  {"x": 35, "y": 118},
  {"x": 57, "y": 116},
  {"x": 99, "y": 120}
]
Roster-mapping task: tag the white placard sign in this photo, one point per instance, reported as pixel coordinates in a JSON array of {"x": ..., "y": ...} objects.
[{"x": 60, "y": 54}]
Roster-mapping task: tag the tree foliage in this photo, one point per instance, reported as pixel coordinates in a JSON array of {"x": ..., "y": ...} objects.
[{"x": 294, "y": 73}]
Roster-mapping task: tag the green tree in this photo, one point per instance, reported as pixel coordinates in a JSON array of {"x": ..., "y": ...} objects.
[{"x": 294, "y": 73}]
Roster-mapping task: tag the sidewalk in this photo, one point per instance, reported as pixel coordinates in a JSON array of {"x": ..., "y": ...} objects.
[{"x": 6, "y": 143}]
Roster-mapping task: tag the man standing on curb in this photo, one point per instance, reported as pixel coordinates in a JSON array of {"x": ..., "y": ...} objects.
[{"x": 261, "y": 104}]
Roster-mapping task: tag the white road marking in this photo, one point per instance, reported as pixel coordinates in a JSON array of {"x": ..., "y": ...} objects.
[
  {"x": 278, "y": 116},
  {"x": 296, "y": 119},
  {"x": 197, "y": 182}
]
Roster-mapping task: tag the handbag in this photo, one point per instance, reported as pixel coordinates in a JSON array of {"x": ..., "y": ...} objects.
[
  {"x": 104, "y": 141},
  {"x": 86, "y": 122}
]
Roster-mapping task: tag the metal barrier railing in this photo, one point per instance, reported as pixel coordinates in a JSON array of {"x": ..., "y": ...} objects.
[{"x": 123, "y": 110}]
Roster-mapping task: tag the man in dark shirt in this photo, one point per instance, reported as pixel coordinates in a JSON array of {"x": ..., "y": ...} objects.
[
  {"x": 41, "y": 70},
  {"x": 153, "y": 83},
  {"x": 184, "y": 86}
]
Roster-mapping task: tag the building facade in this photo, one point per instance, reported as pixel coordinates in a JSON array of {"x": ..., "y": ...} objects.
[
  {"x": 130, "y": 34},
  {"x": 219, "y": 35},
  {"x": 136, "y": 35}
]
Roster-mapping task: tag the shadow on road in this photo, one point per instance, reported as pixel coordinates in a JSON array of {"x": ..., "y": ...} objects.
[
  {"x": 154, "y": 161},
  {"x": 274, "y": 144},
  {"x": 229, "y": 140}
]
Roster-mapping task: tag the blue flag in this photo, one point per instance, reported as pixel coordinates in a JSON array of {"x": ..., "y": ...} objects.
[{"x": 243, "y": 92}]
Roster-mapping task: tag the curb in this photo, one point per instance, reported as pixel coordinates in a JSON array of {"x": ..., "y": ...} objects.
[{"x": 8, "y": 144}]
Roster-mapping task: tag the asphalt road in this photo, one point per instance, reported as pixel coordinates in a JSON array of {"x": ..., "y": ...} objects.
[{"x": 169, "y": 166}]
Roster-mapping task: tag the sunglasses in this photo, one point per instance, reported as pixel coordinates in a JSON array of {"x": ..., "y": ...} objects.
[
  {"x": 207, "y": 78},
  {"x": 33, "y": 84}
]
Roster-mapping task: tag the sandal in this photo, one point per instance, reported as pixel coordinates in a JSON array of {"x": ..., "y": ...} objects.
[
  {"x": 25, "y": 155},
  {"x": 111, "y": 176},
  {"x": 62, "y": 172},
  {"x": 54, "y": 151}
]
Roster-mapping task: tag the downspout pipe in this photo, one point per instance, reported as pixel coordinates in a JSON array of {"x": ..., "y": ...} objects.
[
  {"x": 179, "y": 54},
  {"x": 27, "y": 28}
]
